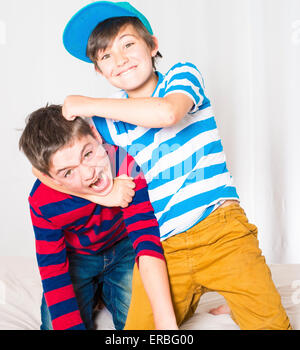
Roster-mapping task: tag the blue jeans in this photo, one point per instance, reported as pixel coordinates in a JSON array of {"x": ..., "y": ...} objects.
[{"x": 113, "y": 271}]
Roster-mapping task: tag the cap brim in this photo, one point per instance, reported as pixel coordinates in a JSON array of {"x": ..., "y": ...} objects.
[{"x": 82, "y": 24}]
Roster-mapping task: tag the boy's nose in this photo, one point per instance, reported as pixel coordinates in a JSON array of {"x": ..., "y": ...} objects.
[
  {"x": 87, "y": 172},
  {"x": 120, "y": 59}
]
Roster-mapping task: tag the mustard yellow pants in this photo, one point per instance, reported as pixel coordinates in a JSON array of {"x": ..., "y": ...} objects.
[{"x": 220, "y": 254}]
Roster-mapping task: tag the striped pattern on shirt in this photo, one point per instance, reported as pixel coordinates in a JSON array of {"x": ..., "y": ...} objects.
[
  {"x": 66, "y": 224},
  {"x": 184, "y": 165}
]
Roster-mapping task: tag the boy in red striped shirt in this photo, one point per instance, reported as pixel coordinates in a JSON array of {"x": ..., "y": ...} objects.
[{"x": 81, "y": 245}]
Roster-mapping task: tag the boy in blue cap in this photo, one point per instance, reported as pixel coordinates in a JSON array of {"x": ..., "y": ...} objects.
[{"x": 167, "y": 124}]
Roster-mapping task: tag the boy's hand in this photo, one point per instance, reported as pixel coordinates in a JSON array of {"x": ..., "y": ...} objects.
[
  {"x": 121, "y": 194},
  {"x": 77, "y": 106}
]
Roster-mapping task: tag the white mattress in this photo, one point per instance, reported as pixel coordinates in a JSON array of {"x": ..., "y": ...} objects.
[{"x": 20, "y": 296}]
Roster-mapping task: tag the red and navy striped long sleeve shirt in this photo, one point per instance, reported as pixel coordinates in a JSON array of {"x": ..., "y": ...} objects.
[{"x": 64, "y": 224}]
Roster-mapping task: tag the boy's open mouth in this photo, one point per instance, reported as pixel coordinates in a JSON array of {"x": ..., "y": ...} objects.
[{"x": 101, "y": 183}]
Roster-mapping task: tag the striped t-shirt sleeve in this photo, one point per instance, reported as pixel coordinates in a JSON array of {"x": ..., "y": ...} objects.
[
  {"x": 53, "y": 266},
  {"x": 185, "y": 78},
  {"x": 140, "y": 221}
]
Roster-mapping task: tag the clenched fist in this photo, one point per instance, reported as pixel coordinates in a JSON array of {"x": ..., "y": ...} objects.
[
  {"x": 77, "y": 106},
  {"x": 121, "y": 194}
]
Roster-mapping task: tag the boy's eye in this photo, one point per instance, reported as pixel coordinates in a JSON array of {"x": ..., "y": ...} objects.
[
  {"x": 128, "y": 45},
  {"x": 88, "y": 155},
  {"x": 68, "y": 173},
  {"x": 105, "y": 57}
]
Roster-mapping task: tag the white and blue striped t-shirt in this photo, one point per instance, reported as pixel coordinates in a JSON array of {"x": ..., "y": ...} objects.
[{"x": 184, "y": 164}]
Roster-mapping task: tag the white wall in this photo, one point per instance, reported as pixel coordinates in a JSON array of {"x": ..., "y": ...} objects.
[
  {"x": 248, "y": 52},
  {"x": 34, "y": 70}
]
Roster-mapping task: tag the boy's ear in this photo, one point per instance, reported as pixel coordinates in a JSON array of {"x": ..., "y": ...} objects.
[
  {"x": 155, "y": 49},
  {"x": 52, "y": 179},
  {"x": 42, "y": 176},
  {"x": 97, "y": 69}
]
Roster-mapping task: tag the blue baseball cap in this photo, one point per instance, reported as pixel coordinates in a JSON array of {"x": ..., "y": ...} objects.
[{"x": 82, "y": 24}]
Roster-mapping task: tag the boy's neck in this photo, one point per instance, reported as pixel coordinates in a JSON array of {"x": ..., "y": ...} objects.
[{"x": 146, "y": 90}]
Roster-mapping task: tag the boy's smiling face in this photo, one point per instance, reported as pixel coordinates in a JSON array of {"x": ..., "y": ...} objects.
[
  {"x": 82, "y": 166},
  {"x": 127, "y": 63}
]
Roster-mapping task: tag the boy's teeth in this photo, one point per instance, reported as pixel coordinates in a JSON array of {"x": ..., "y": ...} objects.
[
  {"x": 94, "y": 184},
  {"x": 97, "y": 181}
]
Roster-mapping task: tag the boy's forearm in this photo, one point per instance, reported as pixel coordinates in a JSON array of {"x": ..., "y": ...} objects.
[
  {"x": 146, "y": 112},
  {"x": 117, "y": 197},
  {"x": 156, "y": 283},
  {"x": 150, "y": 112}
]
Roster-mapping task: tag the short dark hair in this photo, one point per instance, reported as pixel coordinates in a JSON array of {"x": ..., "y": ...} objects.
[
  {"x": 108, "y": 30},
  {"x": 46, "y": 132}
]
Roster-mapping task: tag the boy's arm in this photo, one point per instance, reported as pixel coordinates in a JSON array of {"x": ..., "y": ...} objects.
[
  {"x": 181, "y": 92},
  {"x": 120, "y": 196},
  {"x": 154, "y": 275},
  {"x": 54, "y": 270},
  {"x": 150, "y": 112},
  {"x": 143, "y": 230},
  {"x": 144, "y": 233}
]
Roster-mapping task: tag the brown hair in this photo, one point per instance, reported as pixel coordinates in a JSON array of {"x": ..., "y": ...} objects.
[
  {"x": 107, "y": 30},
  {"x": 46, "y": 132}
]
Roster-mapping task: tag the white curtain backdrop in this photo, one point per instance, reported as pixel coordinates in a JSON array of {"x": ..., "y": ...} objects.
[{"x": 249, "y": 54}]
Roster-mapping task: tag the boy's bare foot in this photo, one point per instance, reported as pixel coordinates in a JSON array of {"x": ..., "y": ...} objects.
[{"x": 220, "y": 310}]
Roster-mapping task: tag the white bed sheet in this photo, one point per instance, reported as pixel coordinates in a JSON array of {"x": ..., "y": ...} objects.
[{"x": 20, "y": 295}]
